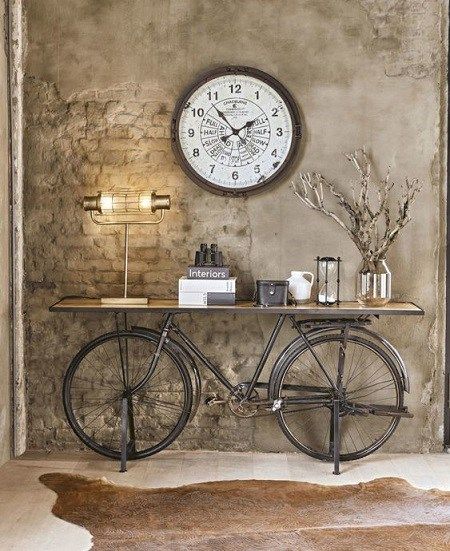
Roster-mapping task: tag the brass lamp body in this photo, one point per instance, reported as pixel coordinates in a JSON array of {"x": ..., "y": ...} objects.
[
  {"x": 125, "y": 208},
  {"x": 126, "y": 203}
]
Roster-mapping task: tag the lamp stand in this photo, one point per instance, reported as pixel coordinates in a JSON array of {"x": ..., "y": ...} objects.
[{"x": 125, "y": 299}]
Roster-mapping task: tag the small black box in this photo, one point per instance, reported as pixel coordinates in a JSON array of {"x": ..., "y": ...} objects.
[{"x": 272, "y": 292}]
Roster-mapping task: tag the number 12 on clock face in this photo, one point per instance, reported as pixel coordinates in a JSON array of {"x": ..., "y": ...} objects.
[{"x": 235, "y": 131}]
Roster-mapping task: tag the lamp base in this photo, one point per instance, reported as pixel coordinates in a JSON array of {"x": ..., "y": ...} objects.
[{"x": 124, "y": 300}]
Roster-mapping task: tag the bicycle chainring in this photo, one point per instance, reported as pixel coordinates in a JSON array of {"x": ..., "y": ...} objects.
[{"x": 240, "y": 406}]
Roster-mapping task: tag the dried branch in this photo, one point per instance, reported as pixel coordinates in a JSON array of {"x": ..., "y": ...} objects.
[
  {"x": 369, "y": 227},
  {"x": 312, "y": 185}
]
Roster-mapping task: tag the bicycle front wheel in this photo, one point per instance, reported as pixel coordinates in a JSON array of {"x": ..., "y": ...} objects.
[
  {"x": 370, "y": 379},
  {"x": 102, "y": 374}
]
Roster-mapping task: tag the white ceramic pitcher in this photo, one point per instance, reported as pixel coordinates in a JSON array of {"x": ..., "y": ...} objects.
[{"x": 300, "y": 286}]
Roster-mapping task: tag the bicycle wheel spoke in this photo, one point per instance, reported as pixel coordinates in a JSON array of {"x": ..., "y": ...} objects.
[
  {"x": 97, "y": 430},
  {"x": 349, "y": 364},
  {"x": 96, "y": 354},
  {"x": 360, "y": 356},
  {"x": 96, "y": 405},
  {"x": 322, "y": 358},
  {"x": 157, "y": 375},
  {"x": 162, "y": 404},
  {"x": 96, "y": 368},
  {"x": 326, "y": 434},
  {"x": 97, "y": 416},
  {"x": 375, "y": 376},
  {"x": 371, "y": 374},
  {"x": 85, "y": 380},
  {"x": 355, "y": 447},
  {"x": 144, "y": 364},
  {"x": 365, "y": 368},
  {"x": 364, "y": 442},
  {"x": 359, "y": 397},
  {"x": 373, "y": 385}
]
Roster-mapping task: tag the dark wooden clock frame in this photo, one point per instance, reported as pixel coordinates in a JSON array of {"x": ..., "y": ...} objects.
[{"x": 293, "y": 112}]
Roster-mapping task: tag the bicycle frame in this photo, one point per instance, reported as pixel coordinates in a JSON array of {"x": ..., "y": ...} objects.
[
  {"x": 329, "y": 397},
  {"x": 169, "y": 325}
]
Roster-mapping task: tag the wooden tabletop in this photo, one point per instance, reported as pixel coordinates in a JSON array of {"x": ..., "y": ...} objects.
[{"x": 346, "y": 308}]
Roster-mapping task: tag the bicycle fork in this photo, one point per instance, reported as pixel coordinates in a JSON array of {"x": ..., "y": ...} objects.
[
  {"x": 338, "y": 394},
  {"x": 335, "y": 421},
  {"x": 127, "y": 413}
]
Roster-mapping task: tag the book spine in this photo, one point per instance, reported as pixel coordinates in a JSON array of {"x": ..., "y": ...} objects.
[
  {"x": 220, "y": 298},
  {"x": 207, "y": 285},
  {"x": 205, "y": 299},
  {"x": 199, "y": 272},
  {"x": 193, "y": 299}
]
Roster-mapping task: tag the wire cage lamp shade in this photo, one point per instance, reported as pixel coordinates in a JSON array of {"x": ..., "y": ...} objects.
[
  {"x": 127, "y": 203},
  {"x": 125, "y": 208}
]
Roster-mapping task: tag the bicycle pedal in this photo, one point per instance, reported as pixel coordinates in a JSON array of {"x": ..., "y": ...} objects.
[
  {"x": 214, "y": 400},
  {"x": 277, "y": 404}
]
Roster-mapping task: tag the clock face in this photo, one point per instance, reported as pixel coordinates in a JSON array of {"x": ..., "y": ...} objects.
[{"x": 236, "y": 130}]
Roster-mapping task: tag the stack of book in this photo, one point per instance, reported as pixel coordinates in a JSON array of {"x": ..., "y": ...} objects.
[{"x": 204, "y": 284}]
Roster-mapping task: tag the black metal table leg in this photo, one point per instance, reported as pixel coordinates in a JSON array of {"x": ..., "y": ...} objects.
[
  {"x": 336, "y": 400},
  {"x": 336, "y": 435},
  {"x": 331, "y": 443},
  {"x": 124, "y": 436}
]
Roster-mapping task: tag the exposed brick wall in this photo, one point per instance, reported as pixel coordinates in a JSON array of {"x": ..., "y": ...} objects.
[{"x": 103, "y": 141}]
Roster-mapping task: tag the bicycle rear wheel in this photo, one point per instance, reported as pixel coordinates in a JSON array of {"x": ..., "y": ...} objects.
[
  {"x": 370, "y": 378},
  {"x": 104, "y": 371}
]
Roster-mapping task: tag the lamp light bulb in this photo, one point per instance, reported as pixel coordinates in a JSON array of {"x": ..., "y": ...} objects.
[
  {"x": 145, "y": 202},
  {"x": 106, "y": 203}
]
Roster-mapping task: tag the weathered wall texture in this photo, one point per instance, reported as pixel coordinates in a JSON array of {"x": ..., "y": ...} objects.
[
  {"x": 5, "y": 367},
  {"x": 101, "y": 81}
]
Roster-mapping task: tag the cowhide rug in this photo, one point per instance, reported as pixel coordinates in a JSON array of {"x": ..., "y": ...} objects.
[{"x": 387, "y": 513}]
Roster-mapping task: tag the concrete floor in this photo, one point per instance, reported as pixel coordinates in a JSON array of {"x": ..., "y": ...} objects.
[{"x": 26, "y": 522}]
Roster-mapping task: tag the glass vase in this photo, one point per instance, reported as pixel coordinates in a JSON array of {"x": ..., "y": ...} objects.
[{"x": 373, "y": 283}]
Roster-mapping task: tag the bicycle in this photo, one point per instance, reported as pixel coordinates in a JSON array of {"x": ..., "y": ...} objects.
[{"x": 337, "y": 389}]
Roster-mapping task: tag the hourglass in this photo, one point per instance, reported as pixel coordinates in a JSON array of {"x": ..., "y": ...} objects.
[{"x": 328, "y": 280}]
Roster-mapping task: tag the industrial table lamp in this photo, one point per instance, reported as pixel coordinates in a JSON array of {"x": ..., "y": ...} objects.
[{"x": 126, "y": 208}]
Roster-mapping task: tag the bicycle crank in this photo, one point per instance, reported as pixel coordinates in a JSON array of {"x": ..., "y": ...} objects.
[
  {"x": 214, "y": 400},
  {"x": 241, "y": 406}
]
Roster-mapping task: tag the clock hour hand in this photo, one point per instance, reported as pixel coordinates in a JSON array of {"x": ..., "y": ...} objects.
[{"x": 248, "y": 124}]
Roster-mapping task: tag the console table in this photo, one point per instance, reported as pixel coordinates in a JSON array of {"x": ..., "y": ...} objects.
[
  {"x": 344, "y": 309},
  {"x": 343, "y": 324}
]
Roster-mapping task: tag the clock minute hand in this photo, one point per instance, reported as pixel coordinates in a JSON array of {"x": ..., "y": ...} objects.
[{"x": 222, "y": 116}]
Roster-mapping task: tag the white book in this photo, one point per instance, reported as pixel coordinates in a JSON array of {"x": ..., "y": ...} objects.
[
  {"x": 205, "y": 299},
  {"x": 206, "y": 285}
]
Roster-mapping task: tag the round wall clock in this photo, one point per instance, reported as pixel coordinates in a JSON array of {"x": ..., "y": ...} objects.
[{"x": 236, "y": 130}]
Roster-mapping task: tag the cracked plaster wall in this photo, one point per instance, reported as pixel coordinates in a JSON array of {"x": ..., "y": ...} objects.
[{"x": 101, "y": 81}]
